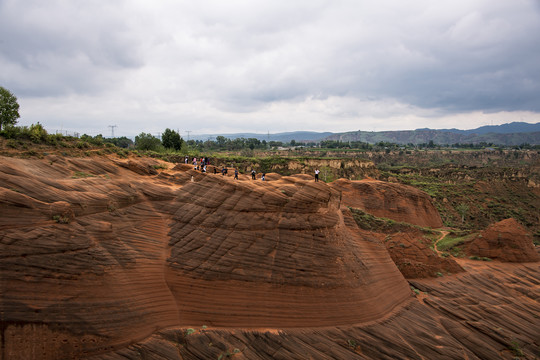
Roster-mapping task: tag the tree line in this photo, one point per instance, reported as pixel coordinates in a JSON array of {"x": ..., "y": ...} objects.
[{"x": 171, "y": 140}]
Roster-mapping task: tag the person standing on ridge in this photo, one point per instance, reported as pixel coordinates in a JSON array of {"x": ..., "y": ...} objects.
[
  {"x": 253, "y": 177},
  {"x": 235, "y": 174},
  {"x": 317, "y": 175}
]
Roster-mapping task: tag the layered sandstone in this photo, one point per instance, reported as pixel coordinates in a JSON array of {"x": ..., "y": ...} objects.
[
  {"x": 116, "y": 259},
  {"x": 388, "y": 200},
  {"x": 415, "y": 258},
  {"x": 99, "y": 253},
  {"x": 505, "y": 240}
]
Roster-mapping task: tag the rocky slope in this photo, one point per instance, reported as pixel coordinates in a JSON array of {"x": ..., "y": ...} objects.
[
  {"x": 112, "y": 258},
  {"x": 506, "y": 240},
  {"x": 397, "y": 202}
]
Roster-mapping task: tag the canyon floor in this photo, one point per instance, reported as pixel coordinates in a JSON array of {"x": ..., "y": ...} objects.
[{"x": 105, "y": 257}]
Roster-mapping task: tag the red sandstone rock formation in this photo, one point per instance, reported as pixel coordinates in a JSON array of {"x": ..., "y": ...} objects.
[
  {"x": 490, "y": 312},
  {"x": 413, "y": 256},
  {"x": 95, "y": 256},
  {"x": 103, "y": 260},
  {"x": 506, "y": 240},
  {"x": 393, "y": 201}
]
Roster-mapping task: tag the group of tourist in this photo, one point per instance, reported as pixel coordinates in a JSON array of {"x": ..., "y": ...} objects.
[{"x": 204, "y": 162}]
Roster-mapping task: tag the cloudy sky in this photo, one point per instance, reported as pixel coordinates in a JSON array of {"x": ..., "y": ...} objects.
[{"x": 258, "y": 66}]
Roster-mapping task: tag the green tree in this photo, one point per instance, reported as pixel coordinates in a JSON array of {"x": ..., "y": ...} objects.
[
  {"x": 9, "y": 108},
  {"x": 171, "y": 139},
  {"x": 122, "y": 142},
  {"x": 145, "y": 141},
  {"x": 221, "y": 141},
  {"x": 462, "y": 210}
]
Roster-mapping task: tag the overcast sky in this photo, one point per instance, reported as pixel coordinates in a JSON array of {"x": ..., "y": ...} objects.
[{"x": 258, "y": 66}]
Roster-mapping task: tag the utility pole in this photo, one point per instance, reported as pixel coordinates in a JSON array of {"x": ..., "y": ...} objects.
[
  {"x": 112, "y": 129},
  {"x": 188, "y": 131}
]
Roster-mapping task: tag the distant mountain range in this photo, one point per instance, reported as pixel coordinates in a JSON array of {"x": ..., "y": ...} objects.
[
  {"x": 514, "y": 127},
  {"x": 515, "y": 133}
]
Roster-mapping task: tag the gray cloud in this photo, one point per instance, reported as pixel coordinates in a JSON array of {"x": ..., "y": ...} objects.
[{"x": 239, "y": 65}]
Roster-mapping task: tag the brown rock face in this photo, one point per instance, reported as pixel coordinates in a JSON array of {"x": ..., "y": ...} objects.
[
  {"x": 274, "y": 254},
  {"x": 412, "y": 255},
  {"x": 388, "y": 200},
  {"x": 506, "y": 240},
  {"x": 95, "y": 256}
]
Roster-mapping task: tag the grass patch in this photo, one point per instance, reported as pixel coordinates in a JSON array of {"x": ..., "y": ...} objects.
[
  {"x": 415, "y": 290},
  {"x": 61, "y": 219},
  {"x": 369, "y": 222},
  {"x": 453, "y": 243},
  {"x": 481, "y": 258},
  {"x": 516, "y": 349}
]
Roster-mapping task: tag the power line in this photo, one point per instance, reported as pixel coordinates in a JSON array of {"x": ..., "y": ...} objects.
[{"x": 112, "y": 129}]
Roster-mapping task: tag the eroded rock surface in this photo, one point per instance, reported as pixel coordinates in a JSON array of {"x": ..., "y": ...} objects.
[
  {"x": 104, "y": 260},
  {"x": 489, "y": 312},
  {"x": 506, "y": 240},
  {"x": 388, "y": 200},
  {"x": 97, "y": 254},
  {"x": 415, "y": 258}
]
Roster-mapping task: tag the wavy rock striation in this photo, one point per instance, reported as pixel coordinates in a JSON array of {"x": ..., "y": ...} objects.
[{"x": 96, "y": 254}]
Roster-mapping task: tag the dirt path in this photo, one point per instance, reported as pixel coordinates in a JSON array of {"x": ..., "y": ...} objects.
[{"x": 443, "y": 235}]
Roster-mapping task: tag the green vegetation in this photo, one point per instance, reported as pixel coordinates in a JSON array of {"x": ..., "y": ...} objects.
[
  {"x": 415, "y": 290},
  {"x": 145, "y": 141},
  {"x": 453, "y": 242},
  {"x": 481, "y": 258},
  {"x": 369, "y": 222},
  {"x": 9, "y": 108},
  {"x": 516, "y": 349},
  {"x": 471, "y": 190},
  {"x": 61, "y": 219},
  {"x": 462, "y": 210},
  {"x": 172, "y": 140}
]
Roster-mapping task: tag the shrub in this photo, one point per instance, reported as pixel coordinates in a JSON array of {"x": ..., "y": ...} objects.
[
  {"x": 37, "y": 133},
  {"x": 61, "y": 219},
  {"x": 11, "y": 144},
  {"x": 482, "y": 258},
  {"x": 145, "y": 141},
  {"x": 82, "y": 145}
]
